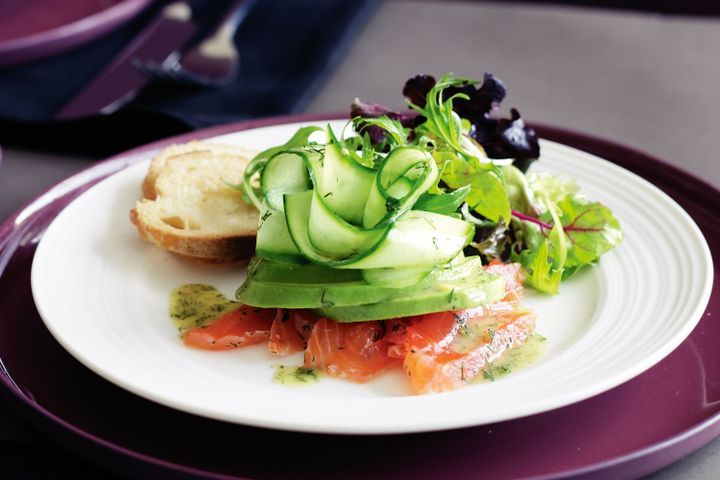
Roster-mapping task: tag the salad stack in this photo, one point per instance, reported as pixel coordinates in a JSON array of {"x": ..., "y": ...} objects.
[
  {"x": 405, "y": 239},
  {"x": 398, "y": 217}
]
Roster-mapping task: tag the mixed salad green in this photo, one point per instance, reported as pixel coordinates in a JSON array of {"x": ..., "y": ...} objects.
[{"x": 394, "y": 216}]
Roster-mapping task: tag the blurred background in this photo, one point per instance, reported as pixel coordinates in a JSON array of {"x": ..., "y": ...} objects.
[
  {"x": 86, "y": 79},
  {"x": 642, "y": 73},
  {"x": 90, "y": 78}
]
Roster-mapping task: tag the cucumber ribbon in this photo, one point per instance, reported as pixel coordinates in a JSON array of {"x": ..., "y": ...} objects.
[{"x": 318, "y": 204}]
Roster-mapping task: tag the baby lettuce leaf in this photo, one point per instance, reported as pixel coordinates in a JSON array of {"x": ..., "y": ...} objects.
[
  {"x": 482, "y": 100},
  {"x": 507, "y": 138},
  {"x": 541, "y": 268},
  {"x": 544, "y": 262},
  {"x": 488, "y": 196},
  {"x": 493, "y": 241},
  {"x": 520, "y": 194},
  {"x": 417, "y": 88},
  {"x": 552, "y": 187},
  {"x": 364, "y": 110},
  {"x": 581, "y": 231},
  {"x": 487, "y": 192},
  {"x": 443, "y": 203},
  {"x": 392, "y": 130},
  {"x": 591, "y": 229}
]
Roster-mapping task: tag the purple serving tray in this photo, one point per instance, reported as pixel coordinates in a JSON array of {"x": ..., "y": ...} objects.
[
  {"x": 634, "y": 429},
  {"x": 33, "y": 29}
]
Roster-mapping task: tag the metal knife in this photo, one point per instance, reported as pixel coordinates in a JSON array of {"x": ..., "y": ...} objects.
[{"x": 120, "y": 81}]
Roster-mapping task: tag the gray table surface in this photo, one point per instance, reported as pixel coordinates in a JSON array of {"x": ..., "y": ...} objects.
[{"x": 644, "y": 80}]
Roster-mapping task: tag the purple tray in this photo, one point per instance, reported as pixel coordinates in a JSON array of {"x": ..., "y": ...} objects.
[
  {"x": 634, "y": 429},
  {"x": 33, "y": 29}
]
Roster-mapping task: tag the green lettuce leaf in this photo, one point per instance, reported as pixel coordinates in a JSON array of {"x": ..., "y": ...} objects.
[
  {"x": 443, "y": 203},
  {"x": 580, "y": 232},
  {"x": 544, "y": 262},
  {"x": 487, "y": 191},
  {"x": 552, "y": 187},
  {"x": 488, "y": 197},
  {"x": 519, "y": 193},
  {"x": 591, "y": 229}
]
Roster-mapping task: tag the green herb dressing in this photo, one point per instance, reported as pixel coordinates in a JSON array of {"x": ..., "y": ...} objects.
[
  {"x": 474, "y": 335},
  {"x": 514, "y": 359},
  {"x": 297, "y": 376},
  {"x": 195, "y": 305}
]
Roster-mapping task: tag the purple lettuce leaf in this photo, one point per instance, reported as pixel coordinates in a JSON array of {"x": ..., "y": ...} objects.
[
  {"x": 408, "y": 119},
  {"x": 417, "y": 88},
  {"x": 507, "y": 138},
  {"x": 482, "y": 101}
]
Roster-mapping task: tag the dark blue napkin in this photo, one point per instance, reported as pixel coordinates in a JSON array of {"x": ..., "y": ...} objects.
[{"x": 287, "y": 48}]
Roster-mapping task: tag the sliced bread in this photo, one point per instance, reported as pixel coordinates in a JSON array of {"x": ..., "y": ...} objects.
[{"x": 189, "y": 209}]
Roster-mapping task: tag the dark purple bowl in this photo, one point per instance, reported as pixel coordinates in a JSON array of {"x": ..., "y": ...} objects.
[
  {"x": 634, "y": 429},
  {"x": 33, "y": 29}
]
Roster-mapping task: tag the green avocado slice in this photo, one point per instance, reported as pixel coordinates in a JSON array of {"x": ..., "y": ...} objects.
[
  {"x": 479, "y": 289},
  {"x": 280, "y": 285},
  {"x": 344, "y": 295}
]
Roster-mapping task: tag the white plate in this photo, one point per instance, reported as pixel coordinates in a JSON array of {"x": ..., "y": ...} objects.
[{"x": 103, "y": 293}]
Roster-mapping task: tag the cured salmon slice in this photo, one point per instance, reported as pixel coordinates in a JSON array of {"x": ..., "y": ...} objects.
[
  {"x": 445, "y": 350},
  {"x": 441, "y": 328},
  {"x": 474, "y": 344},
  {"x": 290, "y": 331},
  {"x": 355, "y": 351},
  {"x": 238, "y": 328}
]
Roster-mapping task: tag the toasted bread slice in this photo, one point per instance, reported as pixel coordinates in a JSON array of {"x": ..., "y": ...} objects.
[{"x": 190, "y": 210}]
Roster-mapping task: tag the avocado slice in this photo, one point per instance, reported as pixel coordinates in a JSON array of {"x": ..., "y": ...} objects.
[
  {"x": 478, "y": 289},
  {"x": 345, "y": 296},
  {"x": 277, "y": 285}
]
